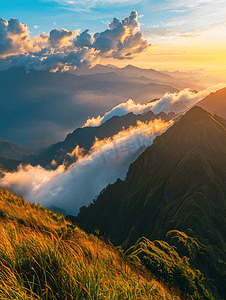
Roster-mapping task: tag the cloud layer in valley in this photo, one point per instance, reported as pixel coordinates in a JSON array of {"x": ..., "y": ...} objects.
[
  {"x": 108, "y": 160},
  {"x": 63, "y": 50},
  {"x": 72, "y": 188},
  {"x": 178, "y": 102}
]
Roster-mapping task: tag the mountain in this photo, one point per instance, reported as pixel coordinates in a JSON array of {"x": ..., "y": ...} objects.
[
  {"x": 58, "y": 210},
  {"x": 13, "y": 150},
  {"x": 215, "y": 103},
  {"x": 85, "y": 137},
  {"x": 41, "y": 142},
  {"x": 39, "y": 103},
  {"x": 131, "y": 71},
  {"x": 43, "y": 256},
  {"x": 9, "y": 141},
  {"x": 175, "y": 192},
  {"x": 9, "y": 164}
]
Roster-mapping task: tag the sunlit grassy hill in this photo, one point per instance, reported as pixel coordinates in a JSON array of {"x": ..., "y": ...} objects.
[{"x": 43, "y": 256}]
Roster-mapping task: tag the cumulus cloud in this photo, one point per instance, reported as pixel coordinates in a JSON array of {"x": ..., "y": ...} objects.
[
  {"x": 122, "y": 40},
  {"x": 178, "y": 102},
  {"x": 59, "y": 38},
  {"x": 63, "y": 50},
  {"x": 14, "y": 38},
  {"x": 59, "y": 61},
  {"x": 77, "y": 186}
]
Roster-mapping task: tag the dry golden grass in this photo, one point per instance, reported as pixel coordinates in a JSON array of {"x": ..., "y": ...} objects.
[{"x": 43, "y": 256}]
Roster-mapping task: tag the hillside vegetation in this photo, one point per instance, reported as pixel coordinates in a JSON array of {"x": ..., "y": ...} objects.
[
  {"x": 43, "y": 256},
  {"x": 178, "y": 184}
]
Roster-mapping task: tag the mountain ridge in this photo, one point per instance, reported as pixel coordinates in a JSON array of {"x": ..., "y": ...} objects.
[
  {"x": 85, "y": 137},
  {"x": 178, "y": 183}
]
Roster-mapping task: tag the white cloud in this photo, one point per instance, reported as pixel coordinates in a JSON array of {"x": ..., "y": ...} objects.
[
  {"x": 96, "y": 3},
  {"x": 14, "y": 37},
  {"x": 63, "y": 50},
  {"x": 177, "y": 102},
  {"x": 78, "y": 185},
  {"x": 120, "y": 110},
  {"x": 183, "y": 100}
]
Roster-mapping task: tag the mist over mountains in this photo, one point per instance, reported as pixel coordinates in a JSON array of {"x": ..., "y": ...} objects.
[
  {"x": 40, "y": 102},
  {"x": 85, "y": 138},
  {"x": 167, "y": 209},
  {"x": 98, "y": 154},
  {"x": 77, "y": 185},
  {"x": 135, "y": 157}
]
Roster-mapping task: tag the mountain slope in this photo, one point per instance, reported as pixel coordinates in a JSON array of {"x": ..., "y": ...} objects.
[
  {"x": 85, "y": 137},
  {"x": 9, "y": 164},
  {"x": 40, "y": 142},
  {"x": 43, "y": 256},
  {"x": 13, "y": 151},
  {"x": 215, "y": 103},
  {"x": 172, "y": 174},
  {"x": 178, "y": 183}
]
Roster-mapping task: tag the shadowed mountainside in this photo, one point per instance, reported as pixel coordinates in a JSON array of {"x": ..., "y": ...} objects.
[
  {"x": 85, "y": 137},
  {"x": 178, "y": 183},
  {"x": 40, "y": 142},
  {"x": 12, "y": 150},
  {"x": 9, "y": 164}
]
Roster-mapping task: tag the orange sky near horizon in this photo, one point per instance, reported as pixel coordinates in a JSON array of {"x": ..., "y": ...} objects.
[{"x": 202, "y": 53}]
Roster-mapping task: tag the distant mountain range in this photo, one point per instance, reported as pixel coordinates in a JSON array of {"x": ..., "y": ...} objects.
[
  {"x": 39, "y": 103},
  {"x": 13, "y": 150},
  {"x": 175, "y": 192},
  {"x": 137, "y": 74}
]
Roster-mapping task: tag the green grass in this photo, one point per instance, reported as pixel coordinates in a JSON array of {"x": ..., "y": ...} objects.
[{"x": 163, "y": 261}]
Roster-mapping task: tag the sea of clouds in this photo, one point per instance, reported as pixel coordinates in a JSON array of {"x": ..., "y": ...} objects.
[
  {"x": 108, "y": 159},
  {"x": 77, "y": 186}
]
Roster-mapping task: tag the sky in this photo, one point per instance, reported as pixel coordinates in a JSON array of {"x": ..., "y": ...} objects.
[
  {"x": 184, "y": 35},
  {"x": 53, "y": 37}
]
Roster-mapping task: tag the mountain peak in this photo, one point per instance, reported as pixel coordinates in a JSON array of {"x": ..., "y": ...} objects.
[
  {"x": 131, "y": 67},
  {"x": 178, "y": 183},
  {"x": 178, "y": 164}
]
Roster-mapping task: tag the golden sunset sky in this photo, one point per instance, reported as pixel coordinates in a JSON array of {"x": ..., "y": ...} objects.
[{"x": 184, "y": 35}]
